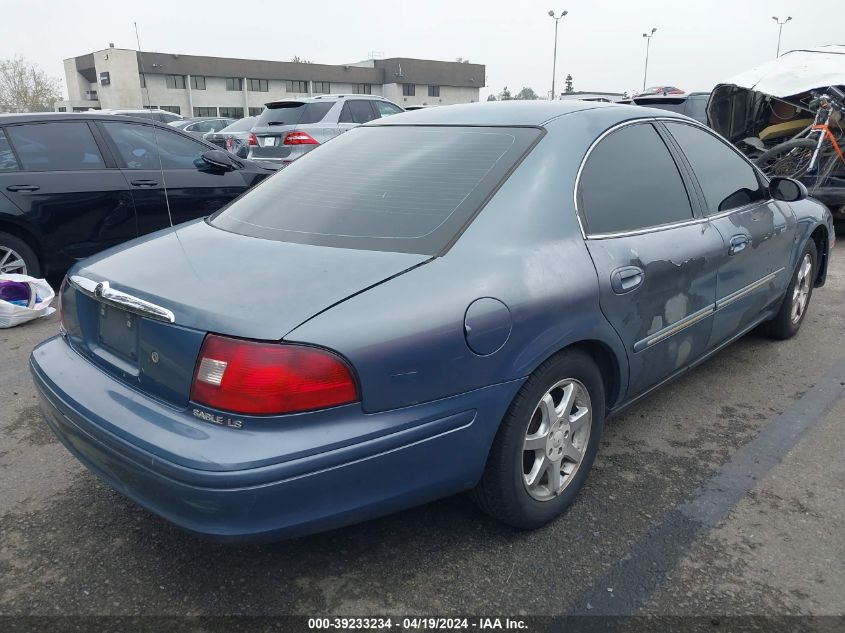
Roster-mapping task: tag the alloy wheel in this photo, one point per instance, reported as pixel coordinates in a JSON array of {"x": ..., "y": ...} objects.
[
  {"x": 556, "y": 439},
  {"x": 11, "y": 261},
  {"x": 801, "y": 290}
]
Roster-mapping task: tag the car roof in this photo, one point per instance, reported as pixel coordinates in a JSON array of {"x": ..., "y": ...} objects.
[
  {"x": 514, "y": 113},
  {"x": 331, "y": 97}
]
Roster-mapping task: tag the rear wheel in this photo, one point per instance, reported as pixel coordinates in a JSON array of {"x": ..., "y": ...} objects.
[
  {"x": 790, "y": 159},
  {"x": 787, "y": 321},
  {"x": 546, "y": 443},
  {"x": 17, "y": 257}
]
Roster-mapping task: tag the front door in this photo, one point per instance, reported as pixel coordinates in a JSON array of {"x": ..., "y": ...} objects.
[
  {"x": 656, "y": 260},
  {"x": 757, "y": 230},
  {"x": 66, "y": 191},
  {"x": 165, "y": 169}
]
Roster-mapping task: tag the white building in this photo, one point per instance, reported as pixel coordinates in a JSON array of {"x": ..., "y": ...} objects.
[{"x": 193, "y": 85}]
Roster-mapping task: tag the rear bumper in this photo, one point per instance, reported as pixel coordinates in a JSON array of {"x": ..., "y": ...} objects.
[{"x": 441, "y": 452}]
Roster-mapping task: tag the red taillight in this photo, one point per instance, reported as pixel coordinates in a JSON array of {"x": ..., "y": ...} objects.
[
  {"x": 229, "y": 143},
  {"x": 269, "y": 378},
  {"x": 252, "y": 139},
  {"x": 299, "y": 138}
]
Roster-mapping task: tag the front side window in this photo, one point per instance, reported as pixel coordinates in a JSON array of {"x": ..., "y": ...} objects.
[
  {"x": 393, "y": 188},
  {"x": 386, "y": 109},
  {"x": 409, "y": 90},
  {"x": 8, "y": 162},
  {"x": 197, "y": 82},
  {"x": 60, "y": 146},
  {"x": 631, "y": 182},
  {"x": 175, "y": 82},
  {"x": 234, "y": 84},
  {"x": 258, "y": 85},
  {"x": 140, "y": 145},
  {"x": 727, "y": 180},
  {"x": 434, "y": 91}
]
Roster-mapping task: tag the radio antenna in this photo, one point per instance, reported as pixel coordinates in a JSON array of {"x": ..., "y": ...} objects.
[{"x": 146, "y": 89}]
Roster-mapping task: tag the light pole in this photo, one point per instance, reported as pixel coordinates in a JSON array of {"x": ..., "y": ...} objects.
[
  {"x": 780, "y": 29},
  {"x": 554, "y": 59},
  {"x": 647, "y": 37}
]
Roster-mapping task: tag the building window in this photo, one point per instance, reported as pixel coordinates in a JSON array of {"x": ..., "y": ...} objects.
[
  {"x": 205, "y": 111},
  {"x": 296, "y": 86},
  {"x": 363, "y": 89},
  {"x": 197, "y": 82},
  {"x": 409, "y": 90},
  {"x": 258, "y": 85},
  {"x": 434, "y": 91},
  {"x": 234, "y": 84},
  {"x": 143, "y": 80},
  {"x": 175, "y": 82},
  {"x": 231, "y": 113},
  {"x": 322, "y": 87},
  {"x": 255, "y": 111},
  {"x": 150, "y": 107},
  {"x": 173, "y": 109},
  {"x": 60, "y": 110}
]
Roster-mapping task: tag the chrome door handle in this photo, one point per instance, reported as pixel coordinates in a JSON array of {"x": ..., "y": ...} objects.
[
  {"x": 626, "y": 279},
  {"x": 738, "y": 243},
  {"x": 144, "y": 183},
  {"x": 23, "y": 188}
]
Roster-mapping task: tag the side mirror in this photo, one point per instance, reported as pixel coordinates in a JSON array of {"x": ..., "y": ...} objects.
[
  {"x": 218, "y": 159},
  {"x": 787, "y": 189}
]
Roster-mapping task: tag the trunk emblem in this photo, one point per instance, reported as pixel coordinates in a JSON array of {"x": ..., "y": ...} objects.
[{"x": 154, "y": 357}]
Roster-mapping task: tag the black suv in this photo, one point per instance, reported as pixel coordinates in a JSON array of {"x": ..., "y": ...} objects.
[{"x": 74, "y": 184}]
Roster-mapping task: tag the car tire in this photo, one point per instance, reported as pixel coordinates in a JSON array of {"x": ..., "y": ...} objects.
[
  {"x": 14, "y": 247},
  {"x": 786, "y": 323},
  {"x": 505, "y": 491}
]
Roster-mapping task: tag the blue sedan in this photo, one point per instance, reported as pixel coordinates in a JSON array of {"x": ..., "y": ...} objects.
[{"x": 447, "y": 300}]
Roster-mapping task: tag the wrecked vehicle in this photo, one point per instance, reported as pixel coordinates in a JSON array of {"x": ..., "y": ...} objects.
[{"x": 788, "y": 115}]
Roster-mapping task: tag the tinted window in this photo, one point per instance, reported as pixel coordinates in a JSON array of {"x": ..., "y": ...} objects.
[
  {"x": 630, "y": 182},
  {"x": 8, "y": 162},
  {"x": 294, "y": 113},
  {"x": 727, "y": 180},
  {"x": 55, "y": 146},
  {"x": 403, "y": 189},
  {"x": 386, "y": 109},
  {"x": 139, "y": 147},
  {"x": 697, "y": 108},
  {"x": 361, "y": 111}
]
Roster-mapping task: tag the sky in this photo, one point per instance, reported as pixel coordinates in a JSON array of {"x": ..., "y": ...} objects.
[{"x": 697, "y": 44}]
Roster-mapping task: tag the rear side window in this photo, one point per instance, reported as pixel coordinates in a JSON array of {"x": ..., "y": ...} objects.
[
  {"x": 401, "y": 189},
  {"x": 140, "y": 145},
  {"x": 631, "y": 182},
  {"x": 358, "y": 111},
  {"x": 727, "y": 180},
  {"x": 8, "y": 162},
  {"x": 294, "y": 113},
  {"x": 59, "y": 146}
]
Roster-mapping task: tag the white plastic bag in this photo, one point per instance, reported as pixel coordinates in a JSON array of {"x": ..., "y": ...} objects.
[{"x": 12, "y": 315}]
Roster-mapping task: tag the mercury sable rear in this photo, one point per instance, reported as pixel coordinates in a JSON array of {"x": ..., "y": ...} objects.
[{"x": 444, "y": 301}]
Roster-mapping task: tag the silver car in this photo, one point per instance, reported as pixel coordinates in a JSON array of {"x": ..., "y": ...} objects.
[
  {"x": 290, "y": 128},
  {"x": 199, "y": 126}
]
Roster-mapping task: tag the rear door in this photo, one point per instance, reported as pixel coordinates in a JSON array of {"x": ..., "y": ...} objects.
[
  {"x": 656, "y": 258},
  {"x": 356, "y": 112},
  {"x": 758, "y": 231},
  {"x": 151, "y": 157},
  {"x": 68, "y": 189}
]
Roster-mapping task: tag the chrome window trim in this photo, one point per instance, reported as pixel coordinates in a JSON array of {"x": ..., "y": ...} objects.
[
  {"x": 660, "y": 227},
  {"x": 746, "y": 290},
  {"x": 102, "y": 292},
  {"x": 677, "y": 326}
]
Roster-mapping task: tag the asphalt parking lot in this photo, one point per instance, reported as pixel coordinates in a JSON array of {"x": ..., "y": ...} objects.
[{"x": 724, "y": 493}]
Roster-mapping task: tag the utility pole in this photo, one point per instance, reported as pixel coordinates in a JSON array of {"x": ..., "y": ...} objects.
[
  {"x": 554, "y": 59},
  {"x": 647, "y": 37}
]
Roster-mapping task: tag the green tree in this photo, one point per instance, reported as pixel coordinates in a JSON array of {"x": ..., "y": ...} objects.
[
  {"x": 296, "y": 59},
  {"x": 25, "y": 87},
  {"x": 505, "y": 94},
  {"x": 526, "y": 94},
  {"x": 491, "y": 97}
]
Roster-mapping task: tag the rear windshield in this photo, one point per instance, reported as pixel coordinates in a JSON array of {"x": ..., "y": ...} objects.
[
  {"x": 393, "y": 188},
  {"x": 294, "y": 113}
]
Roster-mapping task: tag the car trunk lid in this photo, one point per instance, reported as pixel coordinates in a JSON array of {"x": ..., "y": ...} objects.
[{"x": 141, "y": 313}]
